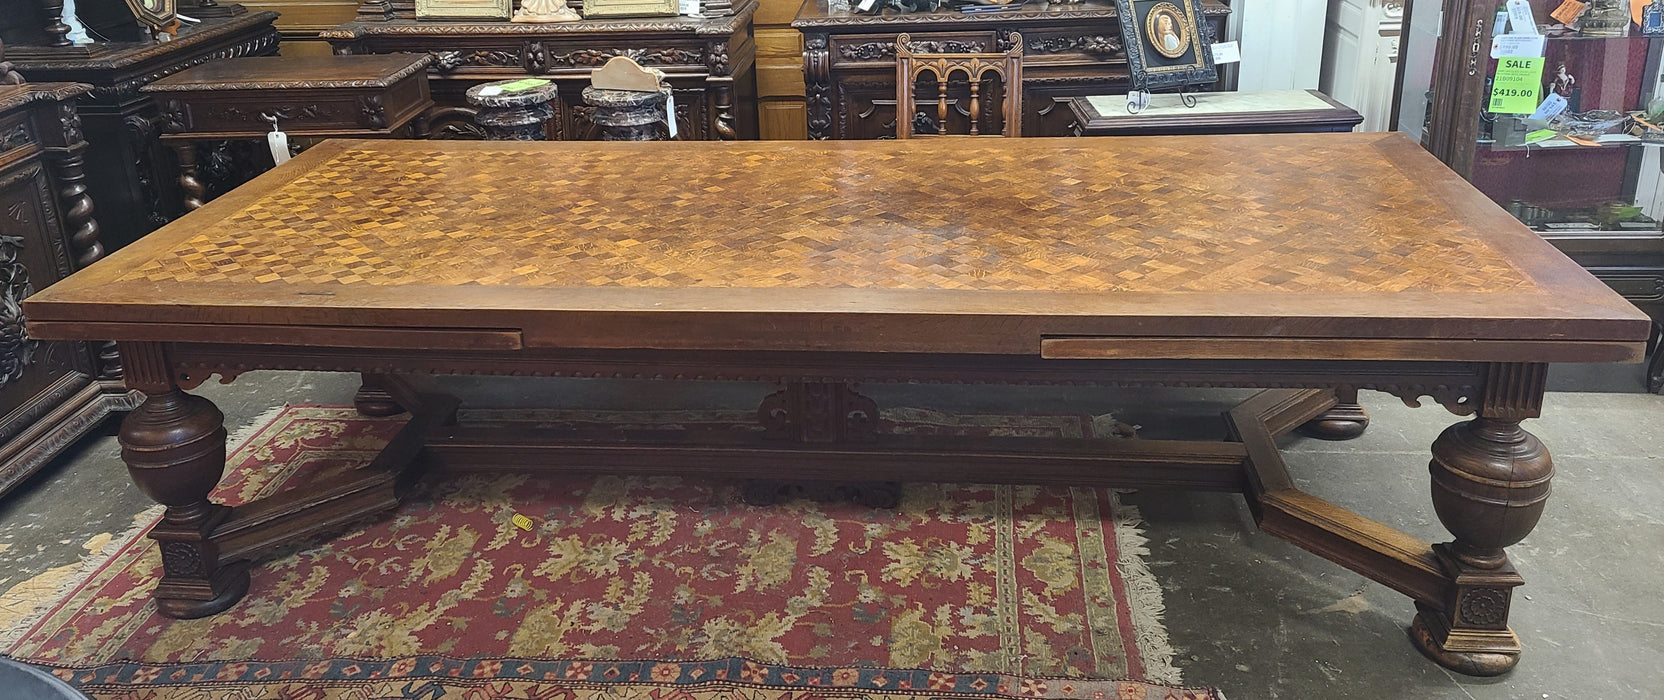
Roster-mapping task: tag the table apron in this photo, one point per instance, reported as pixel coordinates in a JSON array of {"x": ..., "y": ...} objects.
[{"x": 1456, "y": 385}]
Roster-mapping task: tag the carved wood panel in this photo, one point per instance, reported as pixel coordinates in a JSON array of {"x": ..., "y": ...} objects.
[{"x": 32, "y": 256}]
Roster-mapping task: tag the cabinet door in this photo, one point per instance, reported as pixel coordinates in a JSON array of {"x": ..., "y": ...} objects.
[{"x": 32, "y": 256}]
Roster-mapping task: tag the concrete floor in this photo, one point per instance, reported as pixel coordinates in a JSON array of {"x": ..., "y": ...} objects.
[{"x": 1248, "y": 613}]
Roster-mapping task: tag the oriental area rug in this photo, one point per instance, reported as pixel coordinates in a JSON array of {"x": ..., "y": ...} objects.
[{"x": 579, "y": 588}]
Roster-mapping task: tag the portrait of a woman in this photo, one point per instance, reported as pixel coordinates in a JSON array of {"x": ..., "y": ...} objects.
[{"x": 1165, "y": 30}]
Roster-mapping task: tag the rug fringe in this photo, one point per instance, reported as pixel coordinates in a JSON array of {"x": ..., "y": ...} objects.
[
  {"x": 1144, "y": 598},
  {"x": 91, "y": 562}
]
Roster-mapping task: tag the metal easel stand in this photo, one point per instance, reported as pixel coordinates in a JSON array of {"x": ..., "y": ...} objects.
[{"x": 1138, "y": 98}]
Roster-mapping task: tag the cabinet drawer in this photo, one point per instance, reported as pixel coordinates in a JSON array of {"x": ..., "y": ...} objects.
[
  {"x": 1080, "y": 45},
  {"x": 779, "y": 63},
  {"x": 869, "y": 49}
]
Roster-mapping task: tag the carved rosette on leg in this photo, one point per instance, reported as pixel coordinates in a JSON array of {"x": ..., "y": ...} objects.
[{"x": 1490, "y": 482}]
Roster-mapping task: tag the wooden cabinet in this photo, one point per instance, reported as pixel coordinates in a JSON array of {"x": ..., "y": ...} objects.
[
  {"x": 130, "y": 174},
  {"x": 1598, "y": 196},
  {"x": 51, "y": 392},
  {"x": 1069, "y": 50},
  {"x": 709, "y": 63},
  {"x": 779, "y": 71}
]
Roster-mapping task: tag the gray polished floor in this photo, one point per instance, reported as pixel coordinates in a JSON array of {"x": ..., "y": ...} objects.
[{"x": 1247, "y": 613}]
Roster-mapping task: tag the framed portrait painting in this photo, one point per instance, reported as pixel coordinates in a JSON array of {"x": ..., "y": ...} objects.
[
  {"x": 464, "y": 9},
  {"x": 1168, "y": 43}
]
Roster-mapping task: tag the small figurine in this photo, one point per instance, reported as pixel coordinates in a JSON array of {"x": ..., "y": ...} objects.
[{"x": 544, "y": 12}]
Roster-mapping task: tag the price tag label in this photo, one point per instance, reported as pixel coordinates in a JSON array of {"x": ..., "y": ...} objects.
[
  {"x": 1226, "y": 52},
  {"x": 278, "y": 142},
  {"x": 1551, "y": 107},
  {"x": 522, "y": 85},
  {"x": 670, "y": 112},
  {"x": 1137, "y": 101},
  {"x": 1568, "y": 11},
  {"x": 1517, "y": 45},
  {"x": 1518, "y": 80},
  {"x": 1520, "y": 19}
]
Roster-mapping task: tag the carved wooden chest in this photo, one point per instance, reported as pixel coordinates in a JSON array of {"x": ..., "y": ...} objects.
[
  {"x": 1069, "y": 49},
  {"x": 709, "y": 63},
  {"x": 51, "y": 393}
]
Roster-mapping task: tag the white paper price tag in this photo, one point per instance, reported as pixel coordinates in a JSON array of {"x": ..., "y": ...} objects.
[
  {"x": 690, "y": 7},
  {"x": 865, "y": 5},
  {"x": 670, "y": 112},
  {"x": 1137, "y": 101},
  {"x": 1520, "y": 20},
  {"x": 1226, "y": 52},
  {"x": 1550, "y": 108},
  {"x": 1523, "y": 45},
  {"x": 278, "y": 142}
]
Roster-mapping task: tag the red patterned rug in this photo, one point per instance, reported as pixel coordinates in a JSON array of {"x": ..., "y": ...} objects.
[{"x": 964, "y": 590}]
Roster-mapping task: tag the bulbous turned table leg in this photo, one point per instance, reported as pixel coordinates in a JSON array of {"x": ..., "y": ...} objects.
[
  {"x": 1344, "y": 421},
  {"x": 1490, "y": 483},
  {"x": 373, "y": 399},
  {"x": 174, "y": 446}
]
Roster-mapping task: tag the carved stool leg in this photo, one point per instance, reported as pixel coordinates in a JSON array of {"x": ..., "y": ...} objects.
[
  {"x": 174, "y": 446},
  {"x": 1346, "y": 420},
  {"x": 1490, "y": 483},
  {"x": 373, "y": 398},
  {"x": 190, "y": 180}
]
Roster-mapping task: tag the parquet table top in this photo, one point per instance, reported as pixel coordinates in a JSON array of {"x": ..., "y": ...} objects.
[
  {"x": 1363, "y": 233},
  {"x": 1284, "y": 217}
]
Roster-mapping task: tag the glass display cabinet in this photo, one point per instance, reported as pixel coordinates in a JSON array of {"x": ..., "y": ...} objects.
[{"x": 1568, "y": 141}]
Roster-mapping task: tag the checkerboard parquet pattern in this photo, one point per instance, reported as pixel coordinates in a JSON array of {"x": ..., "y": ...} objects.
[{"x": 973, "y": 217}]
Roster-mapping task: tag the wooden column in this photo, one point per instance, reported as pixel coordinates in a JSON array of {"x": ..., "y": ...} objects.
[
  {"x": 174, "y": 447},
  {"x": 1490, "y": 483}
]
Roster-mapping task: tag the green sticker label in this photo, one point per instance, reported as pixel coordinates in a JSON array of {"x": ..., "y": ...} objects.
[
  {"x": 1518, "y": 81},
  {"x": 1540, "y": 135},
  {"x": 522, "y": 85}
]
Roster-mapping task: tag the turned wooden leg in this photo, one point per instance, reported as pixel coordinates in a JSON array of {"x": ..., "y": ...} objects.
[
  {"x": 1490, "y": 483},
  {"x": 190, "y": 180},
  {"x": 373, "y": 399},
  {"x": 174, "y": 447},
  {"x": 1346, "y": 420}
]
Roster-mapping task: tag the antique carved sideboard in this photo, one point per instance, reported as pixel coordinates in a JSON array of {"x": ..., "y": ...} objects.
[
  {"x": 130, "y": 174},
  {"x": 1069, "y": 50},
  {"x": 51, "y": 393},
  {"x": 709, "y": 63}
]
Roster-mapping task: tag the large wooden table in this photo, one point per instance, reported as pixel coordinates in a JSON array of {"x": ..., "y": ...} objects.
[{"x": 1313, "y": 266}]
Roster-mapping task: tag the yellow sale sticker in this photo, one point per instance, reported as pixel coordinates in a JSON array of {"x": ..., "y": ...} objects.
[{"x": 1518, "y": 82}]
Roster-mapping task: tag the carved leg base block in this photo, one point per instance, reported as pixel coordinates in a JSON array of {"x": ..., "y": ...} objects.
[
  {"x": 1343, "y": 422},
  {"x": 375, "y": 402},
  {"x": 207, "y": 597},
  {"x": 870, "y": 494},
  {"x": 1469, "y": 652}
]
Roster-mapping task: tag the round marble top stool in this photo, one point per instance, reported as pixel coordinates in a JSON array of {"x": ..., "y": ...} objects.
[
  {"x": 627, "y": 115},
  {"x": 513, "y": 116}
]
